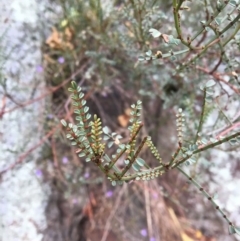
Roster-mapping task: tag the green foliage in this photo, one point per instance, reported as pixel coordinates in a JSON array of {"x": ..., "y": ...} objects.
[
  {"x": 153, "y": 149},
  {"x": 90, "y": 145},
  {"x": 97, "y": 146}
]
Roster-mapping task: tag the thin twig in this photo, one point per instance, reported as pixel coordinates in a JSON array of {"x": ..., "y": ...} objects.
[
  {"x": 112, "y": 214},
  {"x": 134, "y": 157},
  {"x": 148, "y": 211},
  {"x": 23, "y": 156},
  {"x": 218, "y": 77},
  {"x": 209, "y": 197},
  {"x": 124, "y": 149},
  {"x": 201, "y": 117},
  {"x": 48, "y": 92}
]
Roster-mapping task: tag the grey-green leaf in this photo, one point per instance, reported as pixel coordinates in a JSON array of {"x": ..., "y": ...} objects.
[
  {"x": 218, "y": 20},
  {"x": 81, "y": 154},
  {"x": 88, "y": 116},
  {"x": 81, "y": 95},
  {"x": 210, "y": 92},
  {"x": 106, "y": 130},
  {"x": 233, "y": 3},
  {"x": 126, "y": 162},
  {"x": 86, "y": 108},
  {"x": 149, "y": 53},
  {"x": 136, "y": 167},
  {"x": 105, "y": 138},
  {"x": 64, "y": 123},
  {"x": 210, "y": 83},
  {"x": 107, "y": 158},
  {"x": 110, "y": 144},
  {"x": 237, "y": 230},
  {"x": 154, "y": 32},
  {"x": 74, "y": 84},
  {"x": 141, "y": 58},
  {"x": 233, "y": 141},
  {"x": 231, "y": 229},
  {"x": 140, "y": 161}
]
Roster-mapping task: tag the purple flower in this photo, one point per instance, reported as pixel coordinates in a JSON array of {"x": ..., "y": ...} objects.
[
  {"x": 108, "y": 194},
  {"x": 39, "y": 69},
  {"x": 152, "y": 239},
  {"x": 143, "y": 232},
  {"x": 61, "y": 60},
  {"x": 155, "y": 195},
  {"x": 50, "y": 116},
  {"x": 64, "y": 160},
  {"x": 86, "y": 175},
  {"x": 38, "y": 173}
]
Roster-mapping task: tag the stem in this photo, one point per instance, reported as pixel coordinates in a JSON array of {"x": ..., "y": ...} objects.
[
  {"x": 124, "y": 150},
  {"x": 201, "y": 118},
  {"x": 178, "y": 26},
  {"x": 211, "y": 145},
  {"x": 232, "y": 36},
  {"x": 134, "y": 157},
  {"x": 104, "y": 171},
  {"x": 230, "y": 24},
  {"x": 174, "y": 156},
  {"x": 206, "y": 194},
  {"x": 217, "y": 143},
  {"x": 210, "y": 43},
  {"x": 179, "y": 4},
  {"x": 176, "y": 19},
  {"x": 133, "y": 176},
  {"x": 175, "y": 53},
  {"x": 207, "y": 23}
]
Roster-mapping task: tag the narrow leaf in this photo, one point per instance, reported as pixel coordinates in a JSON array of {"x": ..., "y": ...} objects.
[
  {"x": 110, "y": 144},
  {"x": 107, "y": 158},
  {"x": 74, "y": 84},
  {"x": 237, "y": 230},
  {"x": 141, "y": 58},
  {"x": 105, "y": 138},
  {"x": 81, "y": 154},
  {"x": 218, "y": 20}
]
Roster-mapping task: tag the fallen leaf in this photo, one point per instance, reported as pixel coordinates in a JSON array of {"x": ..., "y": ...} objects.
[
  {"x": 58, "y": 40},
  {"x": 198, "y": 234},
  {"x": 124, "y": 119},
  {"x": 234, "y": 74},
  {"x": 127, "y": 112},
  {"x": 185, "y": 237}
]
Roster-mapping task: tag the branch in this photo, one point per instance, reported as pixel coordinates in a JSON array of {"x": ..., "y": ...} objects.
[{"x": 208, "y": 196}]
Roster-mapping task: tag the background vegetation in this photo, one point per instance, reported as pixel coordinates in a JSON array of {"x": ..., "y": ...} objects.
[{"x": 161, "y": 53}]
